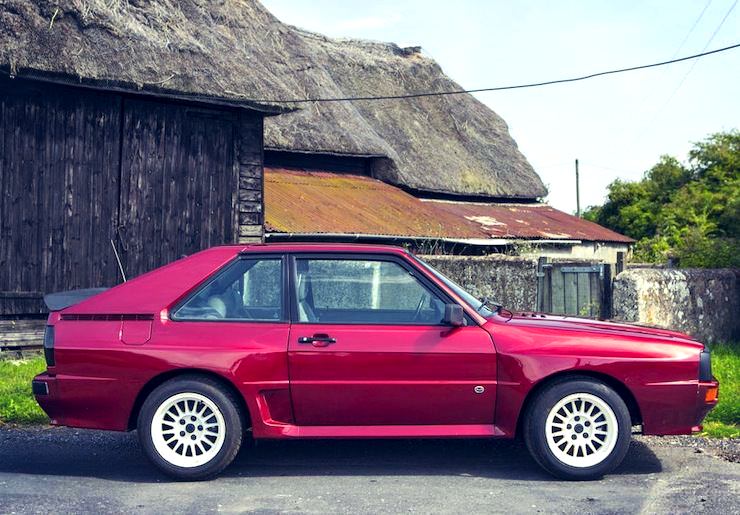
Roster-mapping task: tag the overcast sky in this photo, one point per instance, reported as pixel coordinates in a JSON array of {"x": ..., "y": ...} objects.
[{"x": 616, "y": 126}]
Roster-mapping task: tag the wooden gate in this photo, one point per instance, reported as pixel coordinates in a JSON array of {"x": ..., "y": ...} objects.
[{"x": 580, "y": 289}]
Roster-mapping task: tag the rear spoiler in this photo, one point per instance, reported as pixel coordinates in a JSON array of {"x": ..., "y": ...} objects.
[{"x": 64, "y": 299}]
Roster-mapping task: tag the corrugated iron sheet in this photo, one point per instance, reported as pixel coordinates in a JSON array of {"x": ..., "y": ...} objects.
[
  {"x": 528, "y": 221},
  {"x": 314, "y": 202},
  {"x": 322, "y": 202}
]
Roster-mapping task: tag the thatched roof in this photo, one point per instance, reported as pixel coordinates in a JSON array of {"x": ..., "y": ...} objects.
[
  {"x": 237, "y": 52},
  {"x": 209, "y": 50}
]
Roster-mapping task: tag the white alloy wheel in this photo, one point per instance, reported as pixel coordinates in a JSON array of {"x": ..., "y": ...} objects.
[
  {"x": 188, "y": 430},
  {"x": 581, "y": 430}
]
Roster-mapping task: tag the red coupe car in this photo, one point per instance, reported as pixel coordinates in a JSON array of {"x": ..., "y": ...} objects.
[{"x": 354, "y": 341}]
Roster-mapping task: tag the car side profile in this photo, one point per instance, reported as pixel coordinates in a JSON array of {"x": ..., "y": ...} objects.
[{"x": 354, "y": 341}]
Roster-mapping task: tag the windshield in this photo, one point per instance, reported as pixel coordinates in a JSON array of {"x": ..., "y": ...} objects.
[{"x": 479, "y": 305}]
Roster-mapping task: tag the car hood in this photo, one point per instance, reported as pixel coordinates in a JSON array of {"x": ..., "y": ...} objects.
[{"x": 600, "y": 326}]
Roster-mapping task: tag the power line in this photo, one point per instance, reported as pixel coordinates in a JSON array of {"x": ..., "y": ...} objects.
[
  {"x": 705, "y": 47},
  {"x": 497, "y": 88},
  {"x": 683, "y": 79},
  {"x": 691, "y": 30}
]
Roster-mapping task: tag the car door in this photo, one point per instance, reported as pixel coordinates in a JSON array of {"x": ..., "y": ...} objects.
[{"x": 367, "y": 347}]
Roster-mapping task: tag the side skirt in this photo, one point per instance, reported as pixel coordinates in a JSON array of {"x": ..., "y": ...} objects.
[{"x": 411, "y": 431}]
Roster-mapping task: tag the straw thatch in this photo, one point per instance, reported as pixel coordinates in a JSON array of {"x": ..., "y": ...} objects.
[{"x": 237, "y": 52}]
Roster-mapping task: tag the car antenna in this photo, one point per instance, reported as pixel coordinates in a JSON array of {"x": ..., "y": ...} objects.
[{"x": 118, "y": 260}]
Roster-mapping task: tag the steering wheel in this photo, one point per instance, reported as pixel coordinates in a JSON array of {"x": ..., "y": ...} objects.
[{"x": 417, "y": 312}]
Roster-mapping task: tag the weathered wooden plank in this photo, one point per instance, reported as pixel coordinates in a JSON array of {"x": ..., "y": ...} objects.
[
  {"x": 570, "y": 293},
  {"x": 583, "y": 295},
  {"x": 24, "y": 332},
  {"x": 594, "y": 284},
  {"x": 23, "y": 323},
  {"x": 558, "y": 290}
]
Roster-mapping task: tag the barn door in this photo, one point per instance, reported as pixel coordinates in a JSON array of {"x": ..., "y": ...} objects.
[
  {"x": 177, "y": 184},
  {"x": 581, "y": 289}
]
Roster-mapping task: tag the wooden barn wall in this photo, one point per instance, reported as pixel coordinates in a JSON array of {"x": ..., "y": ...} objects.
[
  {"x": 79, "y": 168},
  {"x": 59, "y": 198},
  {"x": 250, "y": 194},
  {"x": 178, "y": 176}
]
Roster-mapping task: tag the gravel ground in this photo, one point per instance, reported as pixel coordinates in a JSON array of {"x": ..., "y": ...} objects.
[
  {"x": 727, "y": 449},
  {"x": 62, "y": 470}
]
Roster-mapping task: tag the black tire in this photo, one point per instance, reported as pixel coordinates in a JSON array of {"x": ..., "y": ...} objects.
[
  {"x": 536, "y": 438},
  {"x": 232, "y": 420}
]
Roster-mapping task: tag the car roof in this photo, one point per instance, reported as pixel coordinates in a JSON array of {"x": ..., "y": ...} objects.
[
  {"x": 152, "y": 291},
  {"x": 319, "y": 247}
]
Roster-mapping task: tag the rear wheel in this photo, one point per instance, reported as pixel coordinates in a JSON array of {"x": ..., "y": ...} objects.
[
  {"x": 190, "y": 427},
  {"x": 578, "y": 428}
]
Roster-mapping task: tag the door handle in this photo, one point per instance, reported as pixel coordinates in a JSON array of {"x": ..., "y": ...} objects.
[{"x": 318, "y": 340}]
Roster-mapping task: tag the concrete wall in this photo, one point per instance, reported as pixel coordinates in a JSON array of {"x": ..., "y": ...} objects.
[
  {"x": 702, "y": 303},
  {"x": 587, "y": 250},
  {"x": 511, "y": 281}
]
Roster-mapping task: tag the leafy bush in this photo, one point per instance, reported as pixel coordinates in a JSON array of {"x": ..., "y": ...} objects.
[{"x": 690, "y": 213}]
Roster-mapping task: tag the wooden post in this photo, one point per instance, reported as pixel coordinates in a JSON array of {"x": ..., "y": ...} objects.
[
  {"x": 606, "y": 292},
  {"x": 541, "y": 298},
  {"x": 578, "y": 193},
  {"x": 620, "y": 264}
]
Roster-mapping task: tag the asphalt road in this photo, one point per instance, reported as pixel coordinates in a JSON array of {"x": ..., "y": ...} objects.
[{"x": 56, "y": 470}]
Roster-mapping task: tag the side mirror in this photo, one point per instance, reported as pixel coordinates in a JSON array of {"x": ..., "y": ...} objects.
[{"x": 454, "y": 315}]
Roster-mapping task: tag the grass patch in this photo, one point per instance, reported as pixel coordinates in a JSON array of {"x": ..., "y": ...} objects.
[
  {"x": 17, "y": 404},
  {"x": 724, "y": 420}
]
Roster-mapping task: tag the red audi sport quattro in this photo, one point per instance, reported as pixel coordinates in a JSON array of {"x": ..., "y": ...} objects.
[{"x": 354, "y": 341}]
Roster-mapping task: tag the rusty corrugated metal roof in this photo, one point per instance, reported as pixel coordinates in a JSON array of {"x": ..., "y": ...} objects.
[
  {"x": 322, "y": 202},
  {"x": 528, "y": 221},
  {"x": 315, "y": 202}
]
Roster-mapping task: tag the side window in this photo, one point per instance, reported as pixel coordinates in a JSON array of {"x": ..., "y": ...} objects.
[
  {"x": 362, "y": 291},
  {"x": 251, "y": 289}
]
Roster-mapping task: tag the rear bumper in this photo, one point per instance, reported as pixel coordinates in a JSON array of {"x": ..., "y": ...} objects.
[
  {"x": 86, "y": 402},
  {"x": 46, "y": 390},
  {"x": 39, "y": 387}
]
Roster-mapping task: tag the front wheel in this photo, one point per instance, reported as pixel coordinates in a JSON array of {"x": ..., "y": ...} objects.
[
  {"x": 190, "y": 427},
  {"x": 578, "y": 429}
]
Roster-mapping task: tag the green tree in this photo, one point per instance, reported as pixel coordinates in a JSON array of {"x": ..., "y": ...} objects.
[{"x": 688, "y": 212}]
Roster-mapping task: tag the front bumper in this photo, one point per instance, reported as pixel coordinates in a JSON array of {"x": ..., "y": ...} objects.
[{"x": 707, "y": 398}]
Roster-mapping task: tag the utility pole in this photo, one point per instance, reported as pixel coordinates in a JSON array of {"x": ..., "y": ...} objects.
[{"x": 578, "y": 193}]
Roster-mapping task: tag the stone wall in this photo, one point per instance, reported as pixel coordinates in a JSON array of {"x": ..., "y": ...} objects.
[
  {"x": 511, "y": 281},
  {"x": 702, "y": 303}
]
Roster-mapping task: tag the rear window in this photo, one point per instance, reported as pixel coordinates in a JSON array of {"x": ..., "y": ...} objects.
[{"x": 249, "y": 290}]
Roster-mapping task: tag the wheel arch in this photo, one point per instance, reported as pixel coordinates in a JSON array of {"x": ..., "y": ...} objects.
[
  {"x": 619, "y": 387},
  {"x": 162, "y": 378}
]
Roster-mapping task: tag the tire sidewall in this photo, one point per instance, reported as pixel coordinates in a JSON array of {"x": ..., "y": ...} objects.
[
  {"x": 229, "y": 410},
  {"x": 536, "y": 439}
]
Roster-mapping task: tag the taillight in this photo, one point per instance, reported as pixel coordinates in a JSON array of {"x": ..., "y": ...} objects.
[
  {"x": 49, "y": 345},
  {"x": 705, "y": 366}
]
